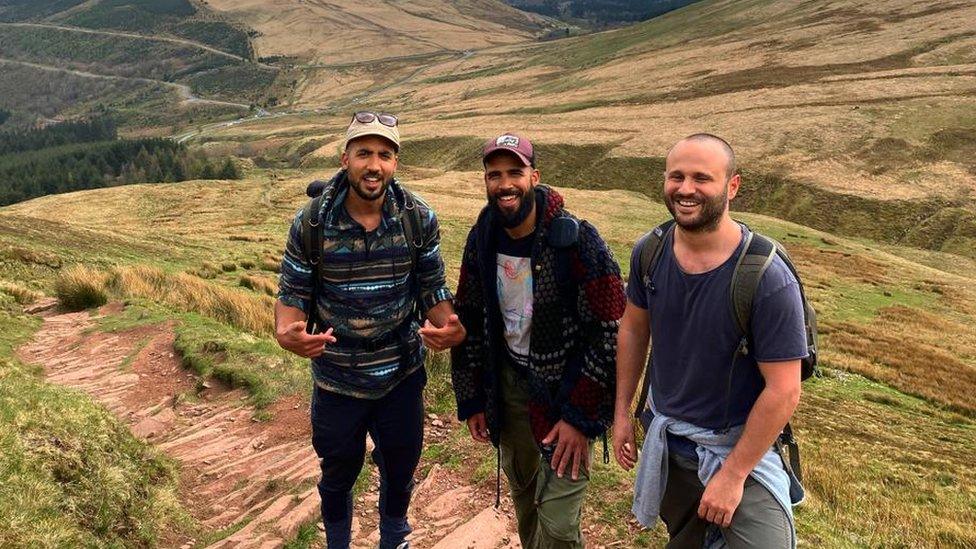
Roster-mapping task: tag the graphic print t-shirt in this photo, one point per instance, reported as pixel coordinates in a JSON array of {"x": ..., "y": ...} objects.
[{"x": 514, "y": 272}]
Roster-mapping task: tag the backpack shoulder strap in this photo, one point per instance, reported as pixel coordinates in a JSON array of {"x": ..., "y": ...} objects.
[
  {"x": 413, "y": 224},
  {"x": 312, "y": 248},
  {"x": 311, "y": 234},
  {"x": 756, "y": 256},
  {"x": 651, "y": 247},
  {"x": 563, "y": 238}
]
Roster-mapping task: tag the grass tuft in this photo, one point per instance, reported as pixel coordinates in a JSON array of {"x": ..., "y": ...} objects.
[
  {"x": 188, "y": 293},
  {"x": 20, "y": 294},
  {"x": 259, "y": 284},
  {"x": 80, "y": 287}
]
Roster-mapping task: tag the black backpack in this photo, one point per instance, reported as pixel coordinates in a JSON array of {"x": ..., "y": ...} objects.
[
  {"x": 756, "y": 256},
  {"x": 321, "y": 191}
]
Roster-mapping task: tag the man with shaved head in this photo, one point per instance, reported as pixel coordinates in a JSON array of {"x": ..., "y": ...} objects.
[{"x": 719, "y": 397}]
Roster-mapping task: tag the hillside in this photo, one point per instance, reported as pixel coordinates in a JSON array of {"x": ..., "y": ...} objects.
[
  {"x": 336, "y": 32},
  {"x": 600, "y": 12},
  {"x": 866, "y": 103},
  {"x": 854, "y": 124},
  {"x": 890, "y": 384},
  {"x": 129, "y": 57}
]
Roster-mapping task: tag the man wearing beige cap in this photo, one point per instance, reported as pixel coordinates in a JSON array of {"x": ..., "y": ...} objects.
[{"x": 361, "y": 270}]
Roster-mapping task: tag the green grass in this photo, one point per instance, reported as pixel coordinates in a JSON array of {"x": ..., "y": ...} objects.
[
  {"x": 240, "y": 83},
  {"x": 70, "y": 473},
  {"x": 133, "y": 15},
  {"x": 861, "y": 302},
  {"x": 29, "y": 10},
  {"x": 221, "y": 35},
  {"x": 256, "y": 363},
  {"x": 306, "y": 537},
  {"x": 119, "y": 55}
]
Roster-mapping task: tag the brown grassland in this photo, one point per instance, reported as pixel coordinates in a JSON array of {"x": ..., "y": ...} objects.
[
  {"x": 887, "y": 434},
  {"x": 864, "y": 102},
  {"x": 854, "y": 125},
  {"x": 329, "y": 33}
]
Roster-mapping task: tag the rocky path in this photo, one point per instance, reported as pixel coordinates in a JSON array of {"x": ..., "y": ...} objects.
[{"x": 234, "y": 469}]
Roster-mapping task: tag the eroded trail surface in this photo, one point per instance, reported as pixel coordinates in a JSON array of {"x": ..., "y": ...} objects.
[{"x": 253, "y": 478}]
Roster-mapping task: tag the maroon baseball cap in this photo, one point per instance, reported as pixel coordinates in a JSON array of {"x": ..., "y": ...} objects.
[{"x": 515, "y": 144}]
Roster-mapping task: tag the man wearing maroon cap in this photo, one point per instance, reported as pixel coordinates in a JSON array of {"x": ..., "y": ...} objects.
[{"x": 540, "y": 295}]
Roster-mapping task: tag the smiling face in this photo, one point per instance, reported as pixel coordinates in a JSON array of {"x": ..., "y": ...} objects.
[
  {"x": 370, "y": 162},
  {"x": 697, "y": 188},
  {"x": 509, "y": 184}
]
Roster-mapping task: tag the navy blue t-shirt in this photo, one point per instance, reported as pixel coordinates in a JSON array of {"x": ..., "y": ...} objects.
[{"x": 694, "y": 336}]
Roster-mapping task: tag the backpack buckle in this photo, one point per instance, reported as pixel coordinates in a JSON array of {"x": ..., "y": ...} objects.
[{"x": 743, "y": 346}]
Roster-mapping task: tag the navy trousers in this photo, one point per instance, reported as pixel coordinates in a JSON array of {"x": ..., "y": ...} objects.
[{"x": 395, "y": 422}]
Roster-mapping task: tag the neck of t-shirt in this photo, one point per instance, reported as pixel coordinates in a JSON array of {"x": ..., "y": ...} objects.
[
  {"x": 508, "y": 236},
  {"x": 698, "y": 255}
]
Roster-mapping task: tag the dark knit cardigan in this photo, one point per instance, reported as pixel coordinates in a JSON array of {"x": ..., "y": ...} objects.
[{"x": 572, "y": 349}]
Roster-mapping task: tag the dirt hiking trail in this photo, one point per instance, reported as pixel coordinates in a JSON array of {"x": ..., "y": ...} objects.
[{"x": 257, "y": 476}]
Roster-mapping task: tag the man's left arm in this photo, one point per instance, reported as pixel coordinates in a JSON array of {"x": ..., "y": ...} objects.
[
  {"x": 778, "y": 343},
  {"x": 442, "y": 329},
  {"x": 600, "y": 303},
  {"x": 766, "y": 420}
]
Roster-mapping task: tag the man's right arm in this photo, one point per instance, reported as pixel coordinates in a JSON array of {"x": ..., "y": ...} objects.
[
  {"x": 632, "y": 342},
  {"x": 294, "y": 292},
  {"x": 467, "y": 358},
  {"x": 290, "y": 332},
  {"x": 632, "y": 339}
]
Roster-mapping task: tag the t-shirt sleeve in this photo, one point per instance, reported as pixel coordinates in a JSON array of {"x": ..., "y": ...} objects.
[
  {"x": 778, "y": 331},
  {"x": 636, "y": 293}
]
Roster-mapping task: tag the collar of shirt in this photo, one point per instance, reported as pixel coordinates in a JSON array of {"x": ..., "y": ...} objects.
[{"x": 338, "y": 217}]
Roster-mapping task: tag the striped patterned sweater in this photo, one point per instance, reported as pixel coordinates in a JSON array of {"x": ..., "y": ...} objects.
[{"x": 367, "y": 293}]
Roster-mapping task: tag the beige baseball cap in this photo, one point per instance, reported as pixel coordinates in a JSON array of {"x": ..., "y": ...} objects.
[{"x": 371, "y": 123}]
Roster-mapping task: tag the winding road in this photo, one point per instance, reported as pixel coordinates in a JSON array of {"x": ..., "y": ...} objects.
[{"x": 185, "y": 92}]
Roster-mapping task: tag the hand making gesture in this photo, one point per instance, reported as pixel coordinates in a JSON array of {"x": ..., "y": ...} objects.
[{"x": 293, "y": 338}]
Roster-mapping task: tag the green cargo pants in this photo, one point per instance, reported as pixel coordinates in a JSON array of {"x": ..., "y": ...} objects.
[{"x": 547, "y": 507}]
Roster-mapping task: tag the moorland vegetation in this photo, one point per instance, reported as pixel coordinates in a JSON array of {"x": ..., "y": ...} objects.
[{"x": 853, "y": 122}]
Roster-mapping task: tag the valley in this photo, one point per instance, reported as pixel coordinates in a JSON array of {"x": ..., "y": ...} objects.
[{"x": 854, "y": 123}]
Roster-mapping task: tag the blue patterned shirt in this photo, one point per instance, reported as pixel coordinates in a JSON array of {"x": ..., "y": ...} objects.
[{"x": 367, "y": 294}]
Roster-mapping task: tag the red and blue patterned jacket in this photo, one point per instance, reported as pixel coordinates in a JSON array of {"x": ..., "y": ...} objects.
[{"x": 571, "y": 373}]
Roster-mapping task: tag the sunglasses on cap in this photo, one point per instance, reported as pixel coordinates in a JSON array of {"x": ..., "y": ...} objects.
[{"x": 366, "y": 117}]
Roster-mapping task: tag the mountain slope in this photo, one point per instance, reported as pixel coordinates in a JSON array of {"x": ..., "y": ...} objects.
[
  {"x": 881, "y": 466},
  {"x": 179, "y": 52},
  {"x": 869, "y": 103},
  {"x": 336, "y": 32}
]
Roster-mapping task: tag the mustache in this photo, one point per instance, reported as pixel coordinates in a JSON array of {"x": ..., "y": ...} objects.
[
  {"x": 694, "y": 196},
  {"x": 510, "y": 192}
]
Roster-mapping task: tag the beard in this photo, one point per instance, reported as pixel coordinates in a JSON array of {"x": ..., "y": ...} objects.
[
  {"x": 709, "y": 214},
  {"x": 513, "y": 218},
  {"x": 358, "y": 185}
]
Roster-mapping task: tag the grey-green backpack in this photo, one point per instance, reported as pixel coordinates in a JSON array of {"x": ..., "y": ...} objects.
[{"x": 756, "y": 256}]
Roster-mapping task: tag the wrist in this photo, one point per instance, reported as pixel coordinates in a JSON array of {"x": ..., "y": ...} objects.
[
  {"x": 621, "y": 410},
  {"x": 734, "y": 471}
]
